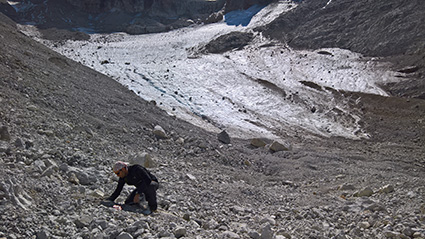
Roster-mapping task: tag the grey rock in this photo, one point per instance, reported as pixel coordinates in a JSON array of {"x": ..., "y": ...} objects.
[
  {"x": 49, "y": 171},
  {"x": 124, "y": 235},
  {"x": 229, "y": 235},
  {"x": 19, "y": 143},
  {"x": 267, "y": 232},
  {"x": 159, "y": 132},
  {"x": 224, "y": 137},
  {"x": 42, "y": 235},
  {"x": 278, "y": 146},
  {"x": 4, "y": 133},
  {"x": 346, "y": 186},
  {"x": 257, "y": 142},
  {"x": 180, "y": 232},
  {"x": 143, "y": 159},
  {"x": 254, "y": 234},
  {"x": 387, "y": 189},
  {"x": 365, "y": 192},
  {"x": 83, "y": 221}
]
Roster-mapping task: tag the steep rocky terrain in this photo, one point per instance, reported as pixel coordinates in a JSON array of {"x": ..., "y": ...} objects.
[
  {"x": 134, "y": 17},
  {"x": 62, "y": 125}
]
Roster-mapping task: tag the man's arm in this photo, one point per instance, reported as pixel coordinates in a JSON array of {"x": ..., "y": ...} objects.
[{"x": 118, "y": 190}]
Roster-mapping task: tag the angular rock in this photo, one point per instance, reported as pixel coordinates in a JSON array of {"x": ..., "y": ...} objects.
[
  {"x": 19, "y": 143},
  {"x": 346, "y": 186},
  {"x": 143, "y": 159},
  {"x": 224, "y": 137},
  {"x": 258, "y": 143},
  {"x": 159, "y": 132},
  {"x": 366, "y": 192},
  {"x": 254, "y": 234},
  {"x": 124, "y": 235},
  {"x": 229, "y": 235},
  {"x": 4, "y": 133},
  {"x": 277, "y": 146},
  {"x": 42, "y": 235},
  {"x": 180, "y": 232},
  {"x": 267, "y": 232},
  {"x": 387, "y": 189}
]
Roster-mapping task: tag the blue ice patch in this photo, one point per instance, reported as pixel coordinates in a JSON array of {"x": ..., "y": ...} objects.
[{"x": 242, "y": 17}]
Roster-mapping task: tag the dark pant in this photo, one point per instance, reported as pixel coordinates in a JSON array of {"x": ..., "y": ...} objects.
[{"x": 149, "y": 192}]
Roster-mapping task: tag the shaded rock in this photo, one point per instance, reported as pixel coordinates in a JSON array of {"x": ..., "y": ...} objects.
[
  {"x": 159, "y": 132},
  {"x": 124, "y": 235},
  {"x": 233, "y": 40},
  {"x": 346, "y": 186},
  {"x": 180, "y": 232},
  {"x": 254, "y": 234},
  {"x": 42, "y": 235},
  {"x": 49, "y": 171},
  {"x": 366, "y": 192},
  {"x": 277, "y": 146},
  {"x": 229, "y": 235},
  {"x": 387, "y": 189},
  {"x": 4, "y": 133},
  {"x": 267, "y": 232},
  {"x": 83, "y": 221},
  {"x": 224, "y": 137},
  {"x": 258, "y": 143},
  {"x": 143, "y": 159},
  {"x": 215, "y": 17},
  {"x": 19, "y": 143}
]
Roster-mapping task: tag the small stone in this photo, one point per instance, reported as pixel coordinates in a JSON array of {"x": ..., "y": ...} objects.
[
  {"x": 4, "y": 133},
  {"x": 180, "y": 232},
  {"x": 366, "y": 192},
  {"x": 159, "y": 132},
  {"x": 364, "y": 225},
  {"x": 83, "y": 221},
  {"x": 258, "y": 143},
  {"x": 254, "y": 235},
  {"x": 387, "y": 189},
  {"x": 346, "y": 186},
  {"x": 41, "y": 235},
  {"x": 143, "y": 159},
  {"x": 191, "y": 177},
  {"x": 267, "y": 232},
  {"x": 407, "y": 231},
  {"x": 180, "y": 141},
  {"x": 186, "y": 216},
  {"x": 391, "y": 234},
  {"x": 229, "y": 235},
  {"x": 124, "y": 235},
  {"x": 276, "y": 147},
  {"x": 19, "y": 143},
  {"x": 224, "y": 137},
  {"x": 98, "y": 193},
  {"x": 49, "y": 171},
  {"x": 73, "y": 179}
]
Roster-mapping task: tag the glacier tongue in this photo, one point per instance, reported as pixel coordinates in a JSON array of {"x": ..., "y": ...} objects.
[{"x": 263, "y": 89}]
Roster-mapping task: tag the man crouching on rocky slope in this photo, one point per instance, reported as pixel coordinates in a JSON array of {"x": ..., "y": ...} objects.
[{"x": 140, "y": 177}]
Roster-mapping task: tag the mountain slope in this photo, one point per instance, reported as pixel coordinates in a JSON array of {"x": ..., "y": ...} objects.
[{"x": 63, "y": 125}]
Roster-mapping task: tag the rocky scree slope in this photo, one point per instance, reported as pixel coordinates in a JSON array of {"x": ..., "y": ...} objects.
[{"x": 63, "y": 125}]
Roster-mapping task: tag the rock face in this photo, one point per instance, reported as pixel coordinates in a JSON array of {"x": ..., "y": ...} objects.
[
  {"x": 132, "y": 16},
  {"x": 99, "y": 6}
]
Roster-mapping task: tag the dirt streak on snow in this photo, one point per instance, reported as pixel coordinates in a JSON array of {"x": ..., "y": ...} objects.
[{"x": 256, "y": 91}]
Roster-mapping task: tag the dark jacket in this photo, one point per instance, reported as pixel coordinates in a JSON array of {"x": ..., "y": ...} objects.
[{"x": 137, "y": 176}]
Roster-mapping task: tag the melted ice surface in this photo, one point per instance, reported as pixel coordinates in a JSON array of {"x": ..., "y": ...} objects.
[{"x": 263, "y": 90}]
